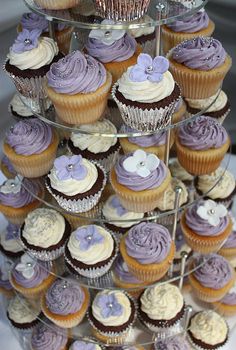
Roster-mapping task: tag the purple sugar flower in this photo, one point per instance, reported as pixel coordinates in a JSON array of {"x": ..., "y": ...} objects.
[
  {"x": 88, "y": 236},
  {"x": 115, "y": 202},
  {"x": 26, "y": 40},
  {"x": 70, "y": 168},
  {"x": 109, "y": 305}
]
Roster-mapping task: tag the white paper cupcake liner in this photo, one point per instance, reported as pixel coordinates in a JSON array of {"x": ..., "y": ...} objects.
[
  {"x": 45, "y": 255},
  {"x": 80, "y": 205},
  {"x": 144, "y": 120}
]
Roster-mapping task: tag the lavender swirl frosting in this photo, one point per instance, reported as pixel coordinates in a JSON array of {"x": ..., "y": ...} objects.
[
  {"x": 123, "y": 273},
  {"x": 6, "y": 161},
  {"x": 21, "y": 198},
  {"x": 215, "y": 271},
  {"x": 31, "y": 136},
  {"x": 200, "y": 53},
  {"x": 119, "y": 51},
  {"x": 231, "y": 241},
  {"x": 33, "y": 21},
  {"x": 148, "y": 243},
  {"x": 76, "y": 73},
  {"x": 201, "y": 226},
  {"x": 157, "y": 139},
  {"x": 172, "y": 343},
  {"x": 64, "y": 297},
  {"x": 41, "y": 272},
  {"x": 190, "y": 24},
  {"x": 49, "y": 337},
  {"x": 230, "y": 297},
  {"x": 202, "y": 133},
  {"x": 137, "y": 183}
]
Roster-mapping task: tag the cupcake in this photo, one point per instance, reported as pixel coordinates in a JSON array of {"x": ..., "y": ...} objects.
[
  {"x": 57, "y": 4},
  {"x": 5, "y": 286},
  {"x": 117, "y": 218},
  {"x": 187, "y": 28},
  {"x": 161, "y": 308},
  {"x": 216, "y": 106},
  {"x": 147, "y": 94},
  {"x": 44, "y": 234},
  {"x": 21, "y": 314},
  {"x": 213, "y": 277},
  {"x": 177, "y": 342},
  {"x": 29, "y": 60},
  {"x": 119, "y": 10},
  {"x": 10, "y": 244},
  {"x": 85, "y": 345},
  {"x": 100, "y": 148},
  {"x": 30, "y": 277},
  {"x": 139, "y": 179},
  {"x": 217, "y": 332},
  {"x": 78, "y": 86},
  {"x": 228, "y": 249},
  {"x": 7, "y": 168},
  {"x": 206, "y": 225},
  {"x": 18, "y": 108},
  {"x": 31, "y": 146},
  {"x": 227, "y": 305},
  {"x": 112, "y": 315},
  {"x": 153, "y": 143},
  {"x": 201, "y": 145},
  {"x": 65, "y": 303},
  {"x": 180, "y": 173},
  {"x": 148, "y": 251},
  {"x": 199, "y": 66},
  {"x": 116, "y": 49},
  {"x": 144, "y": 36},
  {"x": 90, "y": 251},
  {"x": 179, "y": 111},
  {"x": 218, "y": 186},
  {"x": 17, "y": 198},
  {"x": 49, "y": 337},
  {"x": 76, "y": 183},
  {"x": 125, "y": 280}
]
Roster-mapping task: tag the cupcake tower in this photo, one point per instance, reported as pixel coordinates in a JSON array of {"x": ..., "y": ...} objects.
[{"x": 96, "y": 229}]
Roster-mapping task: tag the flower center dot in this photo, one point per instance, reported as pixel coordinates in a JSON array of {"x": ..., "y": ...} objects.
[
  {"x": 27, "y": 41},
  {"x": 107, "y": 34},
  {"x": 110, "y": 305},
  {"x": 70, "y": 166},
  {"x": 149, "y": 69},
  {"x": 211, "y": 211}
]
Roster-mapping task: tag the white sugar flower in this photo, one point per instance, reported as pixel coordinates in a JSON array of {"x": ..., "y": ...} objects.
[
  {"x": 107, "y": 36},
  {"x": 212, "y": 212},
  {"x": 12, "y": 185},
  {"x": 26, "y": 266},
  {"x": 141, "y": 163}
]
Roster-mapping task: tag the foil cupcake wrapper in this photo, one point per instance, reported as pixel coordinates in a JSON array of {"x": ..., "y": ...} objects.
[
  {"x": 80, "y": 205},
  {"x": 107, "y": 163},
  {"x": 125, "y": 10},
  {"x": 144, "y": 120},
  {"x": 45, "y": 255}
]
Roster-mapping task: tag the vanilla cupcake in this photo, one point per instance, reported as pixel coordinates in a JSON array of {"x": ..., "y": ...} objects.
[
  {"x": 10, "y": 244},
  {"x": 227, "y": 305},
  {"x": 76, "y": 183},
  {"x": 102, "y": 149},
  {"x": 228, "y": 249},
  {"x": 90, "y": 251},
  {"x": 44, "y": 233}
]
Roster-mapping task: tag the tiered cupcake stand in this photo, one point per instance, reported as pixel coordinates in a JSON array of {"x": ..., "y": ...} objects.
[{"x": 160, "y": 12}]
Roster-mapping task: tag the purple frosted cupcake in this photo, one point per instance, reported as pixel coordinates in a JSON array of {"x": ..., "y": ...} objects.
[
  {"x": 49, "y": 337},
  {"x": 5, "y": 285},
  {"x": 85, "y": 345},
  {"x": 17, "y": 198},
  {"x": 10, "y": 244},
  {"x": 228, "y": 249},
  {"x": 65, "y": 303},
  {"x": 187, "y": 28},
  {"x": 227, "y": 305},
  {"x": 213, "y": 277},
  {"x": 177, "y": 342}
]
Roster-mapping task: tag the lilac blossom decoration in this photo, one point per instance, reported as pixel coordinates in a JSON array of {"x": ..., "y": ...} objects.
[
  {"x": 26, "y": 40},
  {"x": 88, "y": 236},
  {"x": 115, "y": 202},
  {"x": 70, "y": 168},
  {"x": 149, "y": 69},
  {"x": 109, "y": 305}
]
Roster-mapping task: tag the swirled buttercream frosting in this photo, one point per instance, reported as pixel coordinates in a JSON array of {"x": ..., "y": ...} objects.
[
  {"x": 156, "y": 139},
  {"x": 19, "y": 107},
  {"x": 231, "y": 241},
  {"x": 76, "y": 74},
  {"x": 148, "y": 243},
  {"x": 172, "y": 343},
  {"x": 122, "y": 272},
  {"x": 216, "y": 102},
  {"x": 202, "y": 133},
  {"x": 21, "y": 311},
  {"x": 49, "y": 337},
  {"x": 190, "y": 24},
  {"x": 32, "y": 21}
]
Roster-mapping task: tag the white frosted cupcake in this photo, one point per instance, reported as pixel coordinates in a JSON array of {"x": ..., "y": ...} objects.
[
  {"x": 44, "y": 233},
  {"x": 179, "y": 172},
  {"x": 10, "y": 244},
  {"x": 102, "y": 149},
  {"x": 90, "y": 251},
  {"x": 18, "y": 109}
]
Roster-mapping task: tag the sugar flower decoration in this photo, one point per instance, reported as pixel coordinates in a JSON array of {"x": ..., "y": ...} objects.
[
  {"x": 141, "y": 163},
  {"x": 88, "y": 236},
  {"x": 107, "y": 36},
  {"x": 82, "y": 345},
  {"x": 109, "y": 305},
  {"x": 26, "y": 40},
  {"x": 26, "y": 266},
  {"x": 116, "y": 204},
  {"x": 70, "y": 168},
  {"x": 149, "y": 69},
  {"x": 12, "y": 185},
  {"x": 5, "y": 270},
  {"x": 212, "y": 212},
  {"x": 12, "y": 232}
]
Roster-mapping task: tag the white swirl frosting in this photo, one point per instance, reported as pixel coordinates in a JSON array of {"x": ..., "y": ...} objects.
[
  {"x": 146, "y": 91},
  {"x": 178, "y": 171},
  {"x": 71, "y": 187},
  {"x": 224, "y": 187},
  {"x": 162, "y": 302},
  {"x": 209, "y": 327},
  {"x": 44, "y": 227},
  {"x": 95, "y": 253},
  {"x": 10, "y": 245},
  {"x": 137, "y": 32},
  {"x": 201, "y": 104},
  {"x": 36, "y": 58},
  {"x": 122, "y": 299},
  {"x": 124, "y": 220},
  {"x": 167, "y": 200},
  {"x": 19, "y": 107},
  {"x": 21, "y": 311},
  {"x": 95, "y": 144}
]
